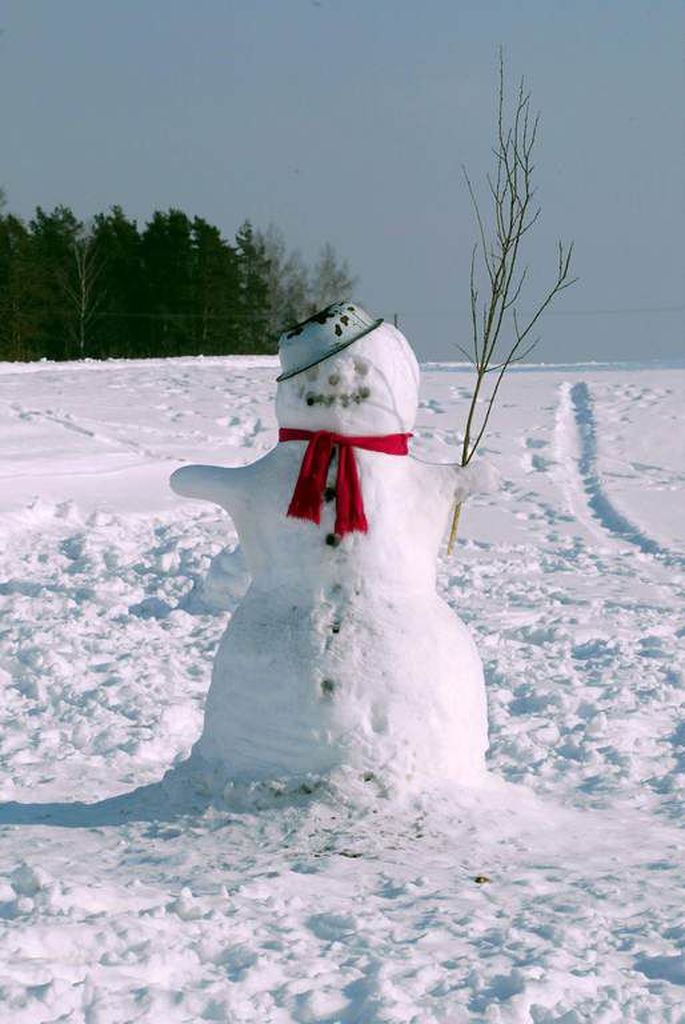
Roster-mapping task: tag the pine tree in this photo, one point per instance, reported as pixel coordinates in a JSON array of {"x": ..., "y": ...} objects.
[
  {"x": 51, "y": 276},
  {"x": 167, "y": 259},
  {"x": 216, "y": 291},
  {"x": 253, "y": 309},
  {"x": 121, "y": 326},
  {"x": 18, "y": 329}
]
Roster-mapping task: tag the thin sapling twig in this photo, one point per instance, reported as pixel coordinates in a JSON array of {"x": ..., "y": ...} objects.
[{"x": 496, "y": 263}]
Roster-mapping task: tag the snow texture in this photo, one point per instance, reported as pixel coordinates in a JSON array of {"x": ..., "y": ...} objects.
[{"x": 125, "y": 898}]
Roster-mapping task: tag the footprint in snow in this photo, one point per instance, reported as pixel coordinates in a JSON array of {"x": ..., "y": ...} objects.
[
  {"x": 331, "y": 926},
  {"x": 431, "y": 405}
]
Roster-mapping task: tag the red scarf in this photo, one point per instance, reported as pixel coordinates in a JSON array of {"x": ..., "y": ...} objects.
[{"x": 309, "y": 490}]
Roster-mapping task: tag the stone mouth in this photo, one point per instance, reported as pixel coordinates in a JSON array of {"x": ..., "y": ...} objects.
[{"x": 344, "y": 399}]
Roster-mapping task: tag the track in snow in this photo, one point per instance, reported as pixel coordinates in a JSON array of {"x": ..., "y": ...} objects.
[
  {"x": 599, "y": 502},
  {"x": 68, "y": 422}
]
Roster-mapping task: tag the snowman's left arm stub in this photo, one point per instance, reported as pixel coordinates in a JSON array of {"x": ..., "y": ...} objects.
[
  {"x": 461, "y": 482},
  {"x": 448, "y": 482},
  {"x": 206, "y": 483},
  {"x": 479, "y": 477}
]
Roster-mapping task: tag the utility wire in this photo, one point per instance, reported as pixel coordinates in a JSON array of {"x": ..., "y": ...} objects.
[{"x": 626, "y": 311}]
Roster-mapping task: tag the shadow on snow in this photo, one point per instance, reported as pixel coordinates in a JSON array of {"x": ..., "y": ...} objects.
[{"x": 171, "y": 798}]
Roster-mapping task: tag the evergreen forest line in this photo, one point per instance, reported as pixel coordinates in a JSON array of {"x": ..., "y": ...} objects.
[{"x": 105, "y": 289}]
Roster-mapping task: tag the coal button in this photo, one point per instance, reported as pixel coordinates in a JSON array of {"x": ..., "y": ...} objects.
[
  {"x": 329, "y": 494},
  {"x": 333, "y": 539}
]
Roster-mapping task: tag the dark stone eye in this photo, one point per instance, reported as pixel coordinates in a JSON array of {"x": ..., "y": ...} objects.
[
  {"x": 318, "y": 318},
  {"x": 310, "y": 399}
]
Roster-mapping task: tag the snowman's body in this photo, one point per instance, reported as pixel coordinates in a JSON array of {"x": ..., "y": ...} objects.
[{"x": 341, "y": 654}]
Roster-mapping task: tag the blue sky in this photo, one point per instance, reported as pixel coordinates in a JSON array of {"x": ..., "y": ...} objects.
[{"x": 349, "y": 122}]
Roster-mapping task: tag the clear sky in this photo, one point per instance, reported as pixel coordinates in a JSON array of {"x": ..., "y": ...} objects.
[{"x": 349, "y": 120}]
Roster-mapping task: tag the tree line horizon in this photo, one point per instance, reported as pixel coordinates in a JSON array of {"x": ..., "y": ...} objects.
[{"x": 103, "y": 288}]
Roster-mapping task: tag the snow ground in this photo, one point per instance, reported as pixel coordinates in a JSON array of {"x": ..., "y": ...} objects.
[{"x": 122, "y": 900}]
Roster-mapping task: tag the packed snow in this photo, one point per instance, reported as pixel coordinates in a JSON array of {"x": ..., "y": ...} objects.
[
  {"x": 554, "y": 894},
  {"x": 342, "y": 660}
]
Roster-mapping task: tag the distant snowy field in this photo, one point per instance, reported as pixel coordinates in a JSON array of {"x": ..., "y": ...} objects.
[{"x": 572, "y": 581}]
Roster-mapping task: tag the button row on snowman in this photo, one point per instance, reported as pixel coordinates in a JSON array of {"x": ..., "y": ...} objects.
[{"x": 332, "y": 539}]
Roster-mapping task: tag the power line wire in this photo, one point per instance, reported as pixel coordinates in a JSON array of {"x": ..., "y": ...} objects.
[{"x": 625, "y": 311}]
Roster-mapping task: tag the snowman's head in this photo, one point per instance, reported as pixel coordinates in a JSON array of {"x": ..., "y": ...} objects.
[{"x": 369, "y": 387}]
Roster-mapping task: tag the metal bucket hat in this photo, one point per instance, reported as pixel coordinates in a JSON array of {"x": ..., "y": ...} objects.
[{"x": 322, "y": 335}]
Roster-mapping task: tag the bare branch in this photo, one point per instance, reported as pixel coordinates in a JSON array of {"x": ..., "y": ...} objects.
[
  {"x": 517, "y": 290},
  {"x": 469, "y": 357},
  {"x": 533, "y": 220},
  {"x": 479, "y": 220},
  {"x": 514, "y": 359},
  {"x": 474, "y": 304},
  {"x": 495, "y": 259}
]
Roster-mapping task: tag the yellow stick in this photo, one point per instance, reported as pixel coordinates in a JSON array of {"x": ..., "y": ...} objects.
[{"x": 455, "y": 527}]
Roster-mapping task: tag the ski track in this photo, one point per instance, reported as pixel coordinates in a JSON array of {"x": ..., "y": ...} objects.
[
  {"x": 153, "y": 907},
  {"x": 601, "y": 505},
  {"x": 68, "y": 422}
]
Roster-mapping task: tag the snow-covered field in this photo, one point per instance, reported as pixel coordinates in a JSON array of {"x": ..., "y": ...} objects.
[{"x": 122, "y": 900}]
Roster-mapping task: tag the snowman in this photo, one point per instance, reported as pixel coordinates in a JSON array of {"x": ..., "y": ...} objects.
[{"x": 342, "y": 661}]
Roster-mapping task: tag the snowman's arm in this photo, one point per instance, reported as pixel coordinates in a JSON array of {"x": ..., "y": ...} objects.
[
  {"x": 457, "y": 483},
  {"x": 209, "y": 483},
  {"x": 454, "y": 482},
  {"x": 478, "y": 477}
]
